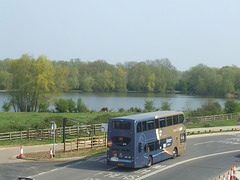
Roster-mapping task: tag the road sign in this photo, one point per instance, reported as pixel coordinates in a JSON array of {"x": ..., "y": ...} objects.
[{"x": 104, "y": 127}]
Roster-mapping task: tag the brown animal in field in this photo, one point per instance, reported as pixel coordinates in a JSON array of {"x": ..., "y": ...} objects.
[
  {"x": 90, "y": 111},
  {"x": 105, "y": 109}
]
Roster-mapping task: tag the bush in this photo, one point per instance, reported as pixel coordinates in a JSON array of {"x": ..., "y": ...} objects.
[
  {"x": 149, "y": 105},
  {"x": 43, "y": 106},
  {"x": 121, "y": 110},
  {"x": 81, "y": 107},
  {"x": 71, "y": 105},
  {"x": 6, "y": 106},
  {"x": 231, "y": 106},
  {"x": 61, "y": 105},
  {"x": 207, "y": 109},
  {"x": 136, "y": 109},
  {"x": 166, "y": 106}
]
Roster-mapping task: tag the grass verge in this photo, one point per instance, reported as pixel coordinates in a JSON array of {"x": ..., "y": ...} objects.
[{"x": 62, "y": 154}]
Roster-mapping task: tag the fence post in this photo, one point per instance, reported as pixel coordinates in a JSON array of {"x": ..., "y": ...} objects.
[
  {"x": 91, "y": 142},
  {"x": 28, "y": 134},
  {"x": 56, "y": 133},
  {"x": 42, "y": 135},
  {"x": 77, "y": 143},
  {"x": 64, "y": 145},
  {"x": 21, "y": 135}
]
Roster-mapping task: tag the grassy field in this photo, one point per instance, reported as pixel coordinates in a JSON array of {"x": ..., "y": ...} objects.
[
  {"x": 18, "y": 121},
  {"x": 230, "y": 122}
]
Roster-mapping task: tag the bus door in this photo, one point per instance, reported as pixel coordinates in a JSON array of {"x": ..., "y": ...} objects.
[{"x": 182, "y": 143}]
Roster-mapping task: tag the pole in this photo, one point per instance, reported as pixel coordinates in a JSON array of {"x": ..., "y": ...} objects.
[{"x": 54, "y": 136}]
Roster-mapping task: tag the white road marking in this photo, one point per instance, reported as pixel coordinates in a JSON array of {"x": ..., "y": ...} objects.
[
  {"x": 204, "y": 143},
  {"x": 182, "y": 162}
]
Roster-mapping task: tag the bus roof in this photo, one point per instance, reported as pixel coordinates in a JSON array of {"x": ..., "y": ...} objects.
[{"x": 147, "y": 116}]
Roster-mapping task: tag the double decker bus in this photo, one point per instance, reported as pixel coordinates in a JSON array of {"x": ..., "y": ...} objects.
[{"x": 143, "y": 139}]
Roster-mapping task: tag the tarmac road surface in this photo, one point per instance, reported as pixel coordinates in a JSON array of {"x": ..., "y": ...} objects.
[{"x": 207, "y": 157}]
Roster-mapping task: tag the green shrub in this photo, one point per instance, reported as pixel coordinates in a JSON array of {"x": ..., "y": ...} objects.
[
  {"x": 81, "y": 107},
  {"x": 121, "y": 110},
  {"x": 43, "y": 106},
  {"x": 71, "y": 105},
  {"x": 61, "y": 105},
  {"x": 6, "y": 106},
  {"x": 232, "y": 106},
  {"x": 166, "y": 106},
  {"x": 149, "y": 105}
]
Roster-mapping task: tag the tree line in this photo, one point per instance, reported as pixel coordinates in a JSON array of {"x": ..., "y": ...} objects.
[{"x": 33, "y": 81}]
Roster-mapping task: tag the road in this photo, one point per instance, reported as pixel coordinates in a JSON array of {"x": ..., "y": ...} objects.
[{"x": 207, "y": 157}]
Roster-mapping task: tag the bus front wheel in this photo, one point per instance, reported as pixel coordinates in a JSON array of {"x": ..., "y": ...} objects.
[
  {"x": 150, "y": 160},
  {"x": 175, "y": 153}
]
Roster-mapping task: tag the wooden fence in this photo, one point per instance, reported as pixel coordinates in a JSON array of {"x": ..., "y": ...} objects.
[
  {"x": 220, "y": 117},
  {"x": 43, "y": 134},
  {"x": 85, "y": 143}
]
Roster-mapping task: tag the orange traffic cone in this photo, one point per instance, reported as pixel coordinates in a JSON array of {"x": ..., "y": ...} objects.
[
  {"x": 232, "y": 177},
  {"x": 51, "y": 154},
  {"x": 228, "y": 176},
  {"x": 224, "y": 177},
  {"x": 21, "y": 152},
  {"x": 234, "y": 169}
]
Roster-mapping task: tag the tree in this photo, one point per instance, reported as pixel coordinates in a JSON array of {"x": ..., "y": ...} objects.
[
  {"x": 44, "y": 83},
  {"x": 166, "y": 106},
  {"x": 149, "y": 105},
  {"x": 81, "y": 107},
  {"x": 22, "y": 84},
  {"x": 6, "y": 106},
  {"x": 231, "y": 106},
  {"x": 61, "y": 105},
  {"x": 71, "y": 105},
  {"x": 33, "y": 82},
  {"x": 120, "y": 79}
]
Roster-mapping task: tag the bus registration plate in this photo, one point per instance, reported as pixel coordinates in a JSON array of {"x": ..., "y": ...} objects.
[{"x": 120, "y": 164}]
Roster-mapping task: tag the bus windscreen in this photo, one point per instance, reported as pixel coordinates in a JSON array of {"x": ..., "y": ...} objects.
[{"x": 121, "y": 125}]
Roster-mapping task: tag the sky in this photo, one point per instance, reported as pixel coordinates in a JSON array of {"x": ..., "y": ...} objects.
[{"x": 187, "y": 32}]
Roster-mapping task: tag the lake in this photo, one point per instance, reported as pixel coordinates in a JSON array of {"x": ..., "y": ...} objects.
[{"x": 114, "y": 101}]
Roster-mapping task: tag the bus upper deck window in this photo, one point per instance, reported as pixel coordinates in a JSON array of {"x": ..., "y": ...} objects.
[
  {"x": 139, "y": 127},
  {"x": 181, "y": 118},
  {"x": 150, "y": 125},
  {"x": 121, "y": 125},
  {"x": 162, "y": 122},
  {"x": 169, "y": 121},
  {"x": 175, "y": 119},
  {"x": 144, "y": 126}
]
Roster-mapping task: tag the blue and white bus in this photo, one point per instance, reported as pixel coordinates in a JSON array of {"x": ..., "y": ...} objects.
[{"x": 143, "y": 139}]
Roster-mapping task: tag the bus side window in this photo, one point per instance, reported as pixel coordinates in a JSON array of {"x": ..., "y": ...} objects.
[
  {"x": 175, "y": 119},
  {"x": 144, "y": 126},
  {"x": 162, "y": 142},
  {"x": 181, "y": 118},
  {"x": 151, "y": 147},
  {"x": 162, "y": 122},
  {"x": 169, "y": 121},
  {"x": 157, "y": 145},
  {"x": 139, "y": 127},
  {"x": 145, "y": 148},
  {"x": 156, "y": 123},
  {"x": 182, "y": 137},
  {"x": 150, "y": 125},
  {"x": 139, "y": 147}
]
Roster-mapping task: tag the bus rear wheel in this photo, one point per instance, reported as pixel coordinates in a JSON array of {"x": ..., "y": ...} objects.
[
  {"x": 150, "y": 160},
  {"x": 175, "y": 153}
]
